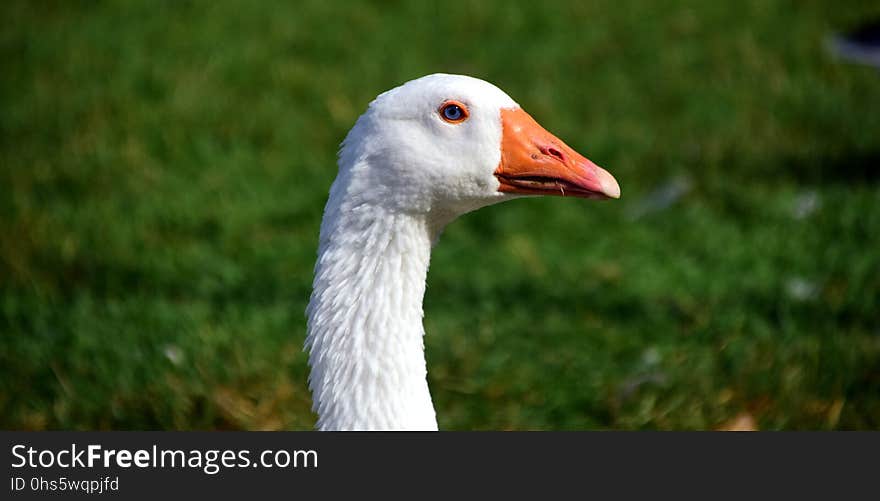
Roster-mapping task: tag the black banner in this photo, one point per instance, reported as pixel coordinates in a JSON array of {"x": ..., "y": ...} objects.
[{"x": 235, "y": 465}]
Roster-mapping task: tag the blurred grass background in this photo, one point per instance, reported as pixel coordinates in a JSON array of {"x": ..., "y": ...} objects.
[{"x": 164, "y": 166}]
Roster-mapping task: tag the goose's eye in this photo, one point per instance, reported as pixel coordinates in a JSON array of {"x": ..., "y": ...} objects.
[{"x": 453, "y": 112}]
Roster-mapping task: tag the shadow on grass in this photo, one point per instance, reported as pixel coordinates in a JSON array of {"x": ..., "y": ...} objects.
[{"x": 846, "y": 167}]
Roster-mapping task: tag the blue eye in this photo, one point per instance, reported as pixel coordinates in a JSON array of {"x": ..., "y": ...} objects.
[{"x": 453, "y": 112}]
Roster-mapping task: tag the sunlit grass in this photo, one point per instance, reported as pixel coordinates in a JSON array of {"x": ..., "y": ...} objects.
[{"x": 163, "y": 168}]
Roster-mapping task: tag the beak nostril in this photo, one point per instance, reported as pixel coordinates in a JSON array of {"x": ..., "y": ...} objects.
[{"x": 553, "y": 152}]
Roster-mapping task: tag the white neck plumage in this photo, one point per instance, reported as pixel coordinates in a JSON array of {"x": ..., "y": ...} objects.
[{"x": 365, "y": 333}]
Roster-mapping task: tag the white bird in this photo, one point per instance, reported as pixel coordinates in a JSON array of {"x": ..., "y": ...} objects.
[{"x": 421, "y": 155}]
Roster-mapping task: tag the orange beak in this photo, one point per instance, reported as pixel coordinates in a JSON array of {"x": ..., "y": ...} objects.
[{"x": 535, "y": 162}]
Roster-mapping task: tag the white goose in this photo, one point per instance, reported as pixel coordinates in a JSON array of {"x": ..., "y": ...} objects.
[{"x": 421, "y": 155}]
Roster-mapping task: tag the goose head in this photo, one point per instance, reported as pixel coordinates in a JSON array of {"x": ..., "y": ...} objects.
[
  {"x": 448, "y": 144},
  {"x": 421, "y": 155}
]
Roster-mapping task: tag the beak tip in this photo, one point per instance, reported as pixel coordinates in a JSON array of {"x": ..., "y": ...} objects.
[{"x": 610, "y": 187}]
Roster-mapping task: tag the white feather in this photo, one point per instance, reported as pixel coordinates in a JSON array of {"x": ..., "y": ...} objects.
[{"x": 404, "y": 173}]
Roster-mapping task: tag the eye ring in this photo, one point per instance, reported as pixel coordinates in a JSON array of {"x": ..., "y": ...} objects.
[{"x": 454, "y": 112}]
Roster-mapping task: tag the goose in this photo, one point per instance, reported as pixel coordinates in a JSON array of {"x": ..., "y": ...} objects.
[{"x": 421, "y": 155}]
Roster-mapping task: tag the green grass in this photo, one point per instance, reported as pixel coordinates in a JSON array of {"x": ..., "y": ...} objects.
[{"x": 164, "y": 165}]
